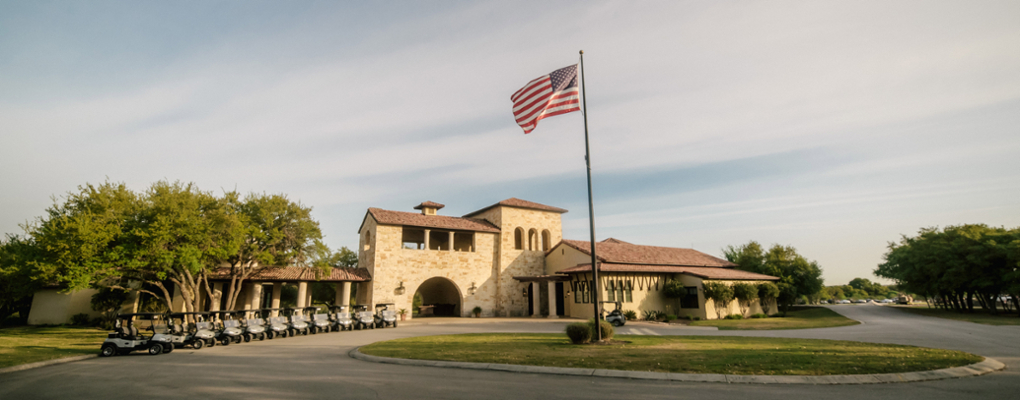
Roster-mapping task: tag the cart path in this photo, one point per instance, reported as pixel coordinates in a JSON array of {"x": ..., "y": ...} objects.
[{"x": 317, "y": 366}]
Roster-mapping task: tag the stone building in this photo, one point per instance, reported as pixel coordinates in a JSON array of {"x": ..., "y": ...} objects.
[{"x": 509, "y": 259}]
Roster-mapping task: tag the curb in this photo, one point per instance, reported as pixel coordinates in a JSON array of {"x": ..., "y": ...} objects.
[
  {"x": 39, "y": 364},
  {"x": 986, "y": 366}
]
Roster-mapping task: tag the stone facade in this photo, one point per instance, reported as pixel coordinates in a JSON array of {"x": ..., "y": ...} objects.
[{"x": 482, "y": 277}]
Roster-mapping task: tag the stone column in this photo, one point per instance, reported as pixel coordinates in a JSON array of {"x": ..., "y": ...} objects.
[
  {"x": 308, "y": 300},
  {"x": 302, "y": 294},
  {"x": 451, "y": 242},
  {"x": 474, "y": 241},
  {"x": 256, "y": 295},
  {"x": 337, "y": 288},
  {"x": 346, "y": 293},
  {"x": 215, "y": 305},
  {"x": 249, "y": 288},
  {"x": 277, "y": 288},
  {"x": 427, "y": 238},
  {"x": 552, "y": 299},
  {"x": 536, "y": 300}
]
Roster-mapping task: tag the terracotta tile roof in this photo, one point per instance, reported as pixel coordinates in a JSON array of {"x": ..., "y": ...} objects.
[
  {"x": 625, "y": 253},
  {"x": 387, "y": 217},
  {"x": 716, "y": 273},
  {"x": 614, "y": 240},
  {"x": 300, "y": 274},
  {"x": 518, "y": 203},
  {"x": 430, "y": 204}
]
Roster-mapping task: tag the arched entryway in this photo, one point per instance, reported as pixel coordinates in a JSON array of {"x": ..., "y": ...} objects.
[{"x": 440, "y": 297}]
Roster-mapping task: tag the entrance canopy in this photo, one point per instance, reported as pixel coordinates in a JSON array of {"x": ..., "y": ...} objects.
[{"x": 543, "y": 278}]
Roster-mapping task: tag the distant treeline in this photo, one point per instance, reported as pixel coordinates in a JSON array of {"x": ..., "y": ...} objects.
[
  {"x": 958, "y": 266},
  {"x": 860, "y": 289}
]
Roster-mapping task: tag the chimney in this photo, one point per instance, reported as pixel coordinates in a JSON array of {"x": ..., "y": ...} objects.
[{"x": 429, "y": 207}]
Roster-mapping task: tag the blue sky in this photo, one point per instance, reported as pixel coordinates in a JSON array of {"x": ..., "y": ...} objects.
[{"x": 834, "y": 127}]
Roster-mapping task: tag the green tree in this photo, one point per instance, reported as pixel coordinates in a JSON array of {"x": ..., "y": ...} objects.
[
  {"x": 16, "y": 283},
  {"x": 721, "y": 294},
  {"x": 275, "y": 232},
  {"x": 768, "y": 292},
  {"x": 798, "y": 276},
  {"x": 745, "y": 293}
]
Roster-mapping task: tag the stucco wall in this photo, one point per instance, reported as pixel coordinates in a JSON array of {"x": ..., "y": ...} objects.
[
  {"x": 734, "y": 307},
  {"x": 50, "y": 307}
]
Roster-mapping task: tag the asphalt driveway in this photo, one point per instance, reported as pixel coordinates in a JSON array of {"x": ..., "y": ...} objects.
[{"x": 317, "y": 366}]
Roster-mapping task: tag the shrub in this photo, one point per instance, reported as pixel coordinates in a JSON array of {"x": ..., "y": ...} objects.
[
  {"x": 670, "y": 317},
  {"x": 695, "y": 318},
  {"x": 650, "y": 315},
  {"x": 631, "y": 315},
  {"x": 759, "y": 315},
  {"x": 767, "y": 292},
  {"x": 80, "y": 319},
  {"x": 607, "y": 329},
  {"x": 579, "y": 332},
  {"x": 734, "y": 316},
  {"x": 477, "y": 311}
]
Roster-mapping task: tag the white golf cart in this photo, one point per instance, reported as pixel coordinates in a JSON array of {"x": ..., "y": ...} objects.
[{"x": 126, "y": 337}]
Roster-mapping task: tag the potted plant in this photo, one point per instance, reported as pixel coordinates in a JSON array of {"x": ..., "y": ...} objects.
[
  {"x": 403, "y": 313},
  {"x": 477, "y": 311}
]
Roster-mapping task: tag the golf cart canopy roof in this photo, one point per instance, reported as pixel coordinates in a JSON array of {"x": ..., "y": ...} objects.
[{"x": 147, "y": 314}]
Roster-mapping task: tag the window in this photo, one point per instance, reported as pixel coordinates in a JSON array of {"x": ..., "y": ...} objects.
[
  {"x": 532, "y": 239},
  {"x": 611, "y": 291},
  {"x": 463, "y": 241},
  {"x": 439, "y": 240},
  {"x": 577, "y": 296},
  {"x": 628, "y": 292},
  {"x": 368, "y": 240},
  {"x": 690, "y": 300},
  {"x": 546, "y": 238},
  {"x": 519, "y": 238}
]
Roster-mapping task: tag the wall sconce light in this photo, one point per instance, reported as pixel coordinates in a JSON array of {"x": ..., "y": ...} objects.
[
  {"x": 471, "y": 290},
  {"x": 524, "y": 292},
  {"x": 400, "y": 289}
]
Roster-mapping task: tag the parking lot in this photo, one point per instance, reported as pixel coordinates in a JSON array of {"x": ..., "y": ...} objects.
[{"x": 317, "y": 366}]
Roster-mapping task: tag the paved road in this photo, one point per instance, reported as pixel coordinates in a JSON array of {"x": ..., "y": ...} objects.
[{"x": 318, "y": 367}]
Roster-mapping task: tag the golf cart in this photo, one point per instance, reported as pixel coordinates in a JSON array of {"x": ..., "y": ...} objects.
[
  {"x": 188, "y": 334},
  {"x": 254, "y": 327},
  {"x": 230, "y": 329},
  {"x": 363, "y": 319},
  {"x": 319, "y": 322},
  {"x": 384, "y": 317},
  {"x": 297, "y": 321},
  {"x": 615, "y": 317},
  {"x": 341, "y": 318},
  {"x": 126, "y": 337},
  {"x": 276, "y": 326}
]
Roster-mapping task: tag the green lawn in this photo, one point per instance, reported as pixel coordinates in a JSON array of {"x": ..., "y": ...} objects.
[
  {"x": 686, "y": 354},
  {"x": 797, "y": 318},
  {"x": 980, "y": 317},
  {"x": 27, "y": 344}
]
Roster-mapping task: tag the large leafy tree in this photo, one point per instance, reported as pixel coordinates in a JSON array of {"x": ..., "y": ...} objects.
[
  {"x": 956, "y": 265},
  {"x": 16, "y": 283},
  {"x": 275, "y": 232},
  {"x": 797, "y": 275}
]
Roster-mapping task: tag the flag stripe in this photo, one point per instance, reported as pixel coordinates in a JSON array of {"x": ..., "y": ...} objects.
[{"x": 551, "y": 101}]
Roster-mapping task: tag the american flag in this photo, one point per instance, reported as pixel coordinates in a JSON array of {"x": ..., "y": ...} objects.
[{"x": 549, "y": 95}]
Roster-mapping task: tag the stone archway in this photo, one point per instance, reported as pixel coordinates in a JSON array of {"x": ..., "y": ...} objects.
[{"x": 442, "y": 295}]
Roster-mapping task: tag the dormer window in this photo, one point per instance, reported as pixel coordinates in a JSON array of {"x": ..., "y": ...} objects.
[{"x": 429, "y": 207}]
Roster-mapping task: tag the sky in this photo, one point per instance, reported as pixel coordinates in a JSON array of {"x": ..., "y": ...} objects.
[{"x": 833, "y": 127}]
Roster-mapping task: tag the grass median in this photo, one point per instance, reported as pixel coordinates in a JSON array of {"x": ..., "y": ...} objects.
[
  {"x": 682, "y": 354},
  {"x": 797, "y": 318},
  {"x": 28, "y": 344}
]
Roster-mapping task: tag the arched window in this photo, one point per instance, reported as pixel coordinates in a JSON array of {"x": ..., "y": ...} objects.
[
  {"x": 519, "y": 238},
  {"x": 532, "y": 239},
  {"x": 546, "y": 239},
  {"x": 368, "y": 240}
]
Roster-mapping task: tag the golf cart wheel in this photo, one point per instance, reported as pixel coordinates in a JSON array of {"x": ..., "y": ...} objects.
[
  {"x": 304, "y": 332},
  {"x": 237, "y": 339},
  {"x": 394, "y": 324},
  {"x": 371, "y": 326},
  {"x": 210, "y": 342},
  {"x": 225, "y": 341},
  {"x": 155, "y": 349},
  {"x": 168, "y": 349},
  {"x": 270, "y": 335},
  {"x": 108, "y": 350},
  {"x": 617, "y": 323},
  {"x": 198, "y": 344},
  {"x": 313, "y": 330},
  {"x": 247, "y": 337},
  {"x": 262, "y": 336}
]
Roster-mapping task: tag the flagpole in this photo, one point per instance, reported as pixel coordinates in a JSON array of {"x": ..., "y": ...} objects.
[{"x": 591, "y": 210}]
